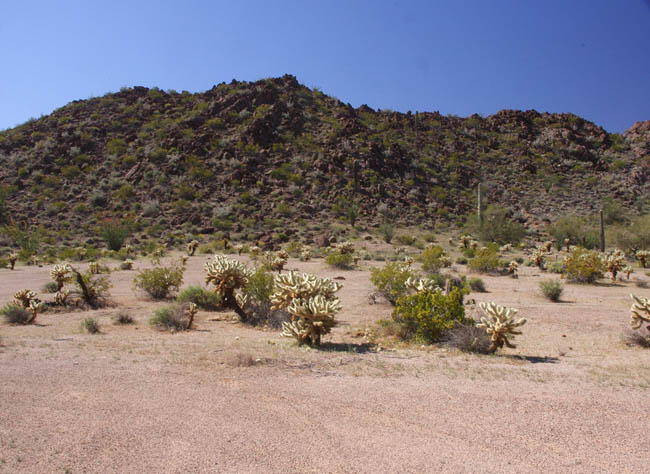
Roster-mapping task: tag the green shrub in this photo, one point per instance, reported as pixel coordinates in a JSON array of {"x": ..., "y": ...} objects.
[
  {"x": 158, "y": 282},
  {"x": 461, "y": 261},
  {"x": 387, "y": 231},
  {"x": 90, "y": 325},
  {"x": 554, "y": 266},
  {"x": 204, "y": 299},
  {"x": 170, "y": 318},
  {"x": 477, "y": 285},
  {"x": 406, "y": 239},
  {"x": 584, "y": 266},
  {"x": 551, "y": 289},
  {"x": 579, "y": 230},
  {"x": 50, "y": 287},
  {"x": 26, "y": 237},
  {"x": 486, "y": 261},
  {"x": 340, "y": 260},
  {"x": 115, "y": 233},
  {"x": 390, "y": 280},
  {"x": 497, "y": 226},
  {"x": 634, "y": 237},
  {"x": 427, "y": 315},
  {"x": 15, "y": 314},
  {"x": 433, "y": 259},
  {"x": 123, "y": 317},
  {"x": 260, "y": 285}
]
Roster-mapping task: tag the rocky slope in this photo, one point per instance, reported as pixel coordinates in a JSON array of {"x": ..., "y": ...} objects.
[{"x": 274, "y": 155}]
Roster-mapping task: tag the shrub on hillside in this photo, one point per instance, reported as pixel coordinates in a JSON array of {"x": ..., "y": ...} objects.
[
  {"x": 115, "y": 233},
  {"x": 497, "y": 226}
]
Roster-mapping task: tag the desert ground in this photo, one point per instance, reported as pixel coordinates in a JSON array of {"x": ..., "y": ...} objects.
[{"x": 225, "y": 397}]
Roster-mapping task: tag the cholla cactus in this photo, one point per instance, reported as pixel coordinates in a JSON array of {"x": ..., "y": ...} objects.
[
  {"x": 465, "y": 241},
  {"x": 276, "y": 261},
  {"x": 567, "y": 244},
  {"x": 513, "y": 269},
  {"x": 643, "y": 256},
  {"x": 344, "y": 247},
  {"x": 97, "y": 268},
  {"x": 627, "y": 270},
  {"x": 473, "y": 244},
  {"x": 310, "y": 301},
  {"x": 81, "y": 253},
  {"x": 35, "y": 307},
  {"x": 129, "y": 250},
  {"x": 311, "y": 319},
  {"x": 254, "y": 252},
  {"x": 499, "y": 323},
  {"x": 451, "y": 241},
  {"x": 548, "y": 245},
  {"x": 190, "y": 312},
  {"x": 127, "y": 264},
  {"x": 239, "y": 248},
  {"x": 538, "y": 257},
  {"x": 183, "y": 260},
  {"x": 25, "y": 297},
  {"x": 61, "y": 297},
  {"x": 191, "y": 247},
  {"x": 505, "y": 248},
  {"x": 61, "y": 274},
  {"x": 12, "y": 259},
  {"x": 305, "y": 254},
  {"x": 228, "y": 275},
  {"x": 640, "y": 310},
  {"x": 614, "y": 261},
  {"x": 421, "y": 285}
]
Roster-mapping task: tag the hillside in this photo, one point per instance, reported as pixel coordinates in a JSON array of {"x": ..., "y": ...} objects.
[{"x": 272, "y": 155}]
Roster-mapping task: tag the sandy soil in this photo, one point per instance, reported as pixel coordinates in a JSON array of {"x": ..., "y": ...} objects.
[{"x": 229, "y": 398}]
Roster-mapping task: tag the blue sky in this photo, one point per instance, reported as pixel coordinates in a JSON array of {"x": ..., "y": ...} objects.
[{"x": 588, "y": 57}]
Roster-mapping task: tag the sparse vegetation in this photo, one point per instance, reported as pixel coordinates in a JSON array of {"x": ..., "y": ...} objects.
[
  {"x": 160, "y": 281},
  {"x": 551, "y": 289}
]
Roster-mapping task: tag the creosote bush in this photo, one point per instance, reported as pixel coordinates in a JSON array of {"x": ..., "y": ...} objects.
[
  {"x": 90, "y": 325},
  {"x": 123, "y": 317},
  {"x": 477, "y": 285},
  {"x": 433, "y": 258},
  {"x": 583, "y": 266},
  {"x": 160, "y": 281},
  {"x": 390, "y": 280},
  {"x": 174, "y": 317},
  {"x": 15, "y": 314},
  {"x": 203, "y": 298},
  {"x": 551, "y": 289},
  {"x": 467, "y": 337},
  {"x": 486, "y": 260}
]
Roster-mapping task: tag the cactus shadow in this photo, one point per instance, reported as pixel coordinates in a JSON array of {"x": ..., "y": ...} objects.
[
  {"x": 536, "y": 359},
  {"x": 363, "y": 348}
]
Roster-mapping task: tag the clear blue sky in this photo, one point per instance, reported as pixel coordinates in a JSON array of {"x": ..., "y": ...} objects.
[{"x": 588, "y": 57}]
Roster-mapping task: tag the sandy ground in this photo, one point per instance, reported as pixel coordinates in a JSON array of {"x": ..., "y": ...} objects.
[{"x": 229, "y": 398}]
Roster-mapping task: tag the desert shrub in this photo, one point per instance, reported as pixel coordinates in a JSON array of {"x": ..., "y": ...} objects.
[
  {"x": 26, "y": 237},
  {"x": 115, "y": 233},
  {"x": 406, "y": 239},
  {"x": 634, "y": 237},
  {"x": 476, "y": 284},
  {"x": 584, "y": 266},
  {"x": 390, "y": 280},
  {"x": 579, "y": 230},
  {"x": 637, "y": 337},
  {"x": 171, "y": 317},
  {"x": 126, "y": 264},
  {"x": 50, "y": 287},
  {"x": 467, "y": 337},
  {"x": 497, "y": 226},
  {"x": 260, "y": 285},
  {"x": 486, "y": 260},
  {"x": 90, "y": 325},
  {"x": 433, "y": 259},
  {"x": 123, "y": 317},
  {"x": 387, "y": 232},
  {"x": 427, "y": 315},
  {"x": 15, "y": 314},
  {"x": 461, "y": 261},
  {"x": 551, "y": 289},
  {"x": 159, "y": 281},
  {"x": 554, "y": 266},
  {"x": 340, "y": 260},
  {"x": 204, "y": 299}
]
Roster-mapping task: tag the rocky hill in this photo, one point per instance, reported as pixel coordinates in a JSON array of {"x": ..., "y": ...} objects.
[{"x": 257, "y": 157}]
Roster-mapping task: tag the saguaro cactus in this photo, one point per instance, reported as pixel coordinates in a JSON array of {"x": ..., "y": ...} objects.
[{"x": 499, "y": 323}]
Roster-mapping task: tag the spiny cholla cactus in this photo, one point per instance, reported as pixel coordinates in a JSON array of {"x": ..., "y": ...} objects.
[
  {"x": 640, "y": 310},
  {"x": 499, "y": 323},
  {"x": 81, "y": 253},
  {"x": 344, "y": 247},
  {"x": 627, "y": 270},
  {"x": 127, "y": 264},
  {"x": 548, "y": 245},
  {"x": 505, "y": 248},
  {"x": 420, "y": 285},
  {"x": 538, "y": 257},
  {"x": 61, "y": 297},
  {"x": 35, "y": 307},
  {"x": 614, "y": 261},
  {"x": 513, "y": 269},
  {"x": 12, "y": 259},
  {"x": 254, "y": 252},
  {"x": 239, "y": 248},
  {"x": 228, "y": 275},
  {"x": 465, "y": 241},
  {"x": 60, "y": 274},
  {"x": 97, "y": 268},
  {"x": 567, "y": 244},
  {"x": 643, "y": 256},
  {"x": 305, "y": 254},
  {"x": 310, "y": 301},
  {"x": 276, "y": 261},
  {"x": 183, "y": 259},
  {"x": 191, "y": 247},
  {"x": 190, "y": 312},
  {"x": 25, "y": 297},
  {"x": 129, "y": 250}
]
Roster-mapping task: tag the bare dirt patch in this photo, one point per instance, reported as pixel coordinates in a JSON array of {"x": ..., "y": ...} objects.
[{"x": 229, "y": 398}]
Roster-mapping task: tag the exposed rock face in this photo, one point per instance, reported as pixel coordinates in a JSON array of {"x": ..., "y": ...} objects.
[{"x": 266, "y": 157}]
